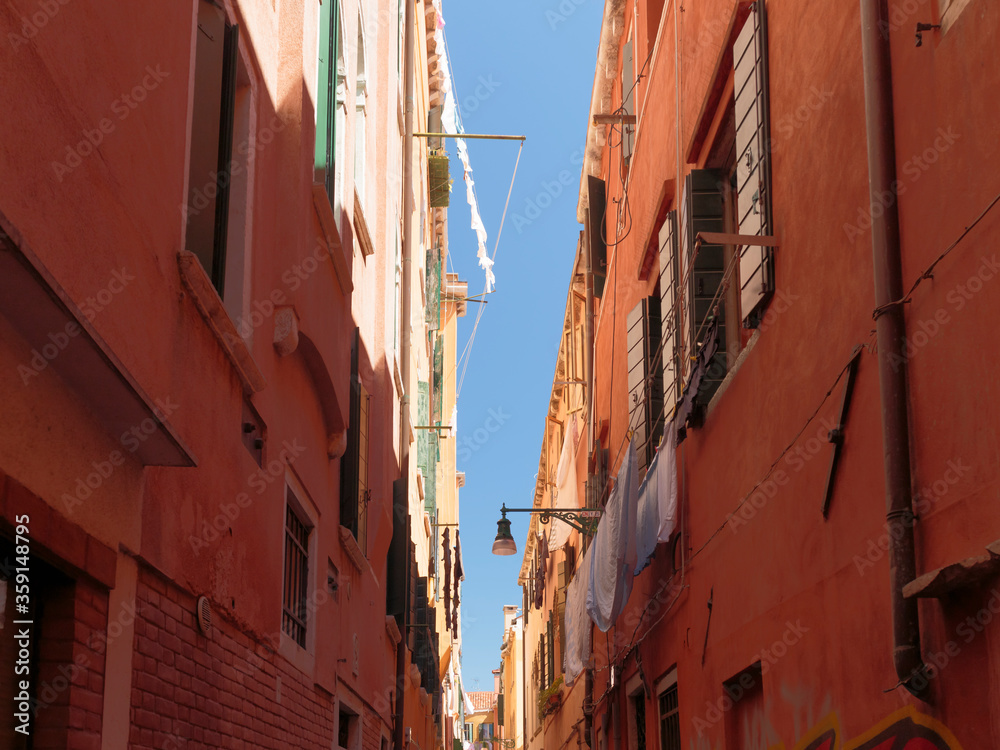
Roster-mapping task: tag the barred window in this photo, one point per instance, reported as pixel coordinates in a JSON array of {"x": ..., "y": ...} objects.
[
  {"x": 293, "y": 620},
  {"x": 670, "y": 720}
]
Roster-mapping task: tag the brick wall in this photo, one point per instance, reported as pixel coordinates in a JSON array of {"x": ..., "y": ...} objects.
[
  {"x": 70, "y": 691},
  {"x": 191, "y": 691}
]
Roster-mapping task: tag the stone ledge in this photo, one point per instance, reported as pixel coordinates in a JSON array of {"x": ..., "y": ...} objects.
[
  {"x": 966, "y": 573},
  {"x": 209, "y": 304},
  {"x": 361, "y": 229},
  {"x": 353, "y": 549},
  {"x": 334, "y": 246},
  {"x": 393, "y": 630}
]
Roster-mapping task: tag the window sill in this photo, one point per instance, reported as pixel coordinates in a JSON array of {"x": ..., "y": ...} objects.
[
  {"x": 968, "y": 573},
  {"x": 393, "y": 630},
  {"x": 328, "y": 223},
  {"x": 353, "y": 549},
  {"x": 724, "y": 385},
  {"x": 951, "y": 14},
  {"x": 361, "y": 228},
  {"x": 301, "y": 659},
  {"x": 209, "y": 304}
]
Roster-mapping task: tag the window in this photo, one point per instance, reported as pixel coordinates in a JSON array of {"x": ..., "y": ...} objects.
[
  {"x": 670, "y": 314},
  {"x": 355, "y": 493},
  {"x": 639, "y": 717},
  {"x": 293, "y": 619},
  {"x": 743, "y": 728},
  {"x": 703, "y": 211},
  {"x": 645, "y": 378},
  {"x": 348, "y": 728},
  {"x": 565, "y": 571},
  {"x": 670, "y": 717},
  {"x": 360, "y": 117},
  {"x": 49, "y": 617},
  {"x": 212, "y": 122},
  {"x": 550, "y": 651}
]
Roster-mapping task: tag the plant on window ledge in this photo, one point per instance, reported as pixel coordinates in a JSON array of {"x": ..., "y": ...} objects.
[{"x": 550, "y": 698}]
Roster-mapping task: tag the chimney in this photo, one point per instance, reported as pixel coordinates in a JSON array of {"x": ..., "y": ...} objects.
[{"x": 496, "y": 680}]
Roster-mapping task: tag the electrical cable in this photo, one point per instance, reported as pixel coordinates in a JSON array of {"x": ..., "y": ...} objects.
[{"x": 928, "y": 274}]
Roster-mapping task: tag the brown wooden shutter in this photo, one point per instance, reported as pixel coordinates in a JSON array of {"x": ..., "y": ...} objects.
[
  {"x": 670, "y": 313},
  {"x": 563, "y": 583},
  {"x": 349, "y": 461},
  {"x": 645, "y": 383},
  {"x": 596, "y": 232},
  {"x": 598, "y": 249},
  {"x": 211, "y": 140},
  {"x": 550, "y": 669},
  {"x": 703, "y": 209},
  {"x": 753, "y": 163}
]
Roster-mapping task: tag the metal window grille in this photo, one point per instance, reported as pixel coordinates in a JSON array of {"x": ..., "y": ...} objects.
[
  {"x": 293, "y": 620},
  {"x": 670, "y": 720}
]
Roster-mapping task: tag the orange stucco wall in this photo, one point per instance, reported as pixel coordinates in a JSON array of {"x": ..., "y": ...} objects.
[{"x": 786, "y": 573}]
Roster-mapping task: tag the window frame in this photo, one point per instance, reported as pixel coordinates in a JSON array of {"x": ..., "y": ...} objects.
[
  {"x": 298, "y": 502},
  {"x": 665, "y": 686},
  {"x": 203, "y": 122}
]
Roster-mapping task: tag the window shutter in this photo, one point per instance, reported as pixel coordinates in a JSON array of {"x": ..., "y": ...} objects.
[
  {"x": 753, "y": 163},
  {"x": 211, "y": 140},
  {"x": 704, "y": 212},
  {"x": 349, "y": 461},
  {"x": 326, "y": 59},
  {"x": 223, "y": 180},
  {"x": 563, "y": 568},
  {"x": 670, "y": 314},
  {"x": 550, "y": 671},
  {"x": 596, "y": 229},
  {"x": 628, "y": 98},
  {"x": 645, "y": 383}
]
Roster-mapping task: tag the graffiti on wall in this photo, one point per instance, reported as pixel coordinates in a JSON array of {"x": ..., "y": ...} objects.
[{"x": 907, "y": 729}]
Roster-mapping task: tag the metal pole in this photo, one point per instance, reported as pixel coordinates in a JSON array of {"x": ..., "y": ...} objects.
[
  {"x": 891, "y": 331},
  {"x": 471, "y": 136}
]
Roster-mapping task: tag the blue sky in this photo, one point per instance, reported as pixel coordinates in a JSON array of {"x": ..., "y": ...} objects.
[{"x": 524, "y": 67}]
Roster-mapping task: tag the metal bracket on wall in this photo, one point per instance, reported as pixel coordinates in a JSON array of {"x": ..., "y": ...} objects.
[{"x": 836, "y": 435}]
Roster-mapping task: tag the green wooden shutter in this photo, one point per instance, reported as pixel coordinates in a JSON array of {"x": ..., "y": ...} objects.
[
  {"x": 326, "y": 85},
  {"x": 753, "y": 163}
]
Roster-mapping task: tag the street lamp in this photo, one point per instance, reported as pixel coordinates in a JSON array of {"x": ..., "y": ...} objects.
[{"x": 584, "y": 521}]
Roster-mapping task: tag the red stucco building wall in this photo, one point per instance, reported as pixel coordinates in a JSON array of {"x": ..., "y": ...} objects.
[{"x": 145, "y": 517}]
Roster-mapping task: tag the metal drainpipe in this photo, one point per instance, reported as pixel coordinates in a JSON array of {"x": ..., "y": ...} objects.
[
  {"x": 404, "y": 353},
  {"x": 891, "y": 330}
]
